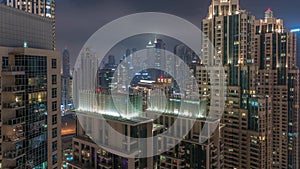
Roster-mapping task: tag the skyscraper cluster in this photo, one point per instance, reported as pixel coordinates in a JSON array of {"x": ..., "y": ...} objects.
[
  {"x": 260, "y": 123},
  {"x": 262, "y": 108}
]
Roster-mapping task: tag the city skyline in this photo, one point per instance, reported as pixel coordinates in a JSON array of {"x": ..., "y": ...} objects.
[
  {"x": 138, "y": 84},
  {"x": 73, "y": 28}
]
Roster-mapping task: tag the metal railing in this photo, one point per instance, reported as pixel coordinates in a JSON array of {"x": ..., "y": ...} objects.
[
  {"x": 13, "y": 69},
  {"x": 13, "y": 88}
]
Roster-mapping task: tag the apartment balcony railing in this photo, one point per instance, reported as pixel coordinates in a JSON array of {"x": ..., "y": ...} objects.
[
  {"x": 18, "y": 136},
  {"x": 15, "y": 121},
  {"x": 13, "y": 70},
  {"x": 13, "y": 89},
  {"x": 105, "y": 165},
  {"x": 14, "y": 154},
  {"x": 13, "y": 105}
]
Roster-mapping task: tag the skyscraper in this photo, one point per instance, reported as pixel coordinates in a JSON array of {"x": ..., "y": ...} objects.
[
  {"x": 156, "y": 50},
  {"x": 65, "y": 79},
  {"x": 82, "y": 80},
  {"x": 261, "y": 111},
  {"x": 66, "y": 63},
  {"x": 278, "y": 78},
  {"x": 30, "y": 96},
  {"x": 44, "y": 8},
  {"x": 30, "y": 112},
  {"x": 297, "y": 31},
  {"x": 12, "y": 34}
]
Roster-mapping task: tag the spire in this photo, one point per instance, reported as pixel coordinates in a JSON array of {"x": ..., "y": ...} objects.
[{"x": 269, "y": 14}]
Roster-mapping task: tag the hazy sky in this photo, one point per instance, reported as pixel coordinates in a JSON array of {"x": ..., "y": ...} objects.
[{"x": 77, "y": 20}]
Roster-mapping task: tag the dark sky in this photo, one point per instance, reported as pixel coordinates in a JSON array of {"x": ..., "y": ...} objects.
[{"x": 77, "y": 20}]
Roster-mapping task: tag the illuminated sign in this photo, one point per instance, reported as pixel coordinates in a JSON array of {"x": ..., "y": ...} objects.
[{"x": 164, "y": 80}]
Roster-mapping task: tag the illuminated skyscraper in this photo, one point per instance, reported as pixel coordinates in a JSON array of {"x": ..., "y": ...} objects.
[
  {"x": 44, "y": 8},
  {"x": 30, "y": 95},
  {"x": 262, "y": 107},
  {"x": 297, "y": 32},
  {"x": 156, "y": 49},
  {"x": 82, "y": 80}
]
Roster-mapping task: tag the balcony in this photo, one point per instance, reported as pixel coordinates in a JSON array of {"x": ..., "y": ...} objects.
[
  {"x": 13, "y": 155},
  {"x": 13, "y": 89},
  {"x": 14, "y": 105},
  {"x": 13, "y": 70},
  {"x": 18, "y": 136},
  {"x": 104, "y": 157},
  {"x": 105, "y": 165},
  {"x": 15, "y": 121}
]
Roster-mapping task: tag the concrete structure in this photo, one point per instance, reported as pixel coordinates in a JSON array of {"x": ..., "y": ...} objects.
[
  {"x": 30, "y": 118},
  {"x": 22, "y": 29}
]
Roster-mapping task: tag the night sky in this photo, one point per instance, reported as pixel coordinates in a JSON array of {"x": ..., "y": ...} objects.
[{"x": 77, "y": 20}]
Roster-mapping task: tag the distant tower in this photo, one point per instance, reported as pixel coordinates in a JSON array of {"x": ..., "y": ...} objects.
[
  {"x": 85, "y": 73},
  {"x": 111, "y": 60},
  {"x": 65, "y": 79},
  {"x": 66, "y": 62},
  {"x": 154, "y": 50}
]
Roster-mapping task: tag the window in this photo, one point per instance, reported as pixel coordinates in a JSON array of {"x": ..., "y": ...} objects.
[
  {"x": 54, "y": 132},
  {"x": 54, "y": 79},
  {"x": 54, "y": 92},
  {"x": 54, "y": 146},
  {"x": 54, "y": 119},
  {"x": 54, "y": 106},
  {"x": 54, "y": 64},
  {"x": 54, "y": 159},
  {"x": 4, "y": 62}
]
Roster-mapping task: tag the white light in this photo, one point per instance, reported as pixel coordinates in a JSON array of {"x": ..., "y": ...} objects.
[{"x": 295, "y": 30}]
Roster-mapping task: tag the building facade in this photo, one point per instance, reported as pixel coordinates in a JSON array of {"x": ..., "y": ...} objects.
[
  {"x": 19, "y": 29},
  {"x": 39, "y": 7},
  {"x": 44, "y": 8},
  {"x": 261, "y": 111},
  {"x": 30, "y": 98}
]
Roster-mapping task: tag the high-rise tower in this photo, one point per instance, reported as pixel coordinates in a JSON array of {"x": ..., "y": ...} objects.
[
  {"x": 274, "y": 54},
  {"x": 65, "y": 79},
  {"x": 44, "y": 8},
  {"x": 261, "y": 111},
  {"x": 30, "y": 96}
]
